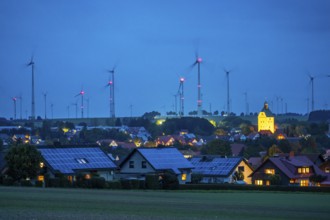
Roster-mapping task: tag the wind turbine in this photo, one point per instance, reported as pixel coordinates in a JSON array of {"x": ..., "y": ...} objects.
[
  {"x": 246, "y": 104},
  {"x": 312, "y": 82},
  {"x": 20, "y": 105},
  {"x": 181, "y": 95},
  {"x": 45, "y": 100},
  {"x": 14, "y": 99},
  {"x": 111, "y": 85},
  {"x": 199, "y": 98},
  {"x": 81, "y": 93},
  {"x": 31, "y": 63},
  {"x": 228, "y": 97},
  {"x": 76, "y": 105}
]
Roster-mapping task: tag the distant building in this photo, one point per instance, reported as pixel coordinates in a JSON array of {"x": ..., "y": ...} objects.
[{"x": 266, "y": 120}]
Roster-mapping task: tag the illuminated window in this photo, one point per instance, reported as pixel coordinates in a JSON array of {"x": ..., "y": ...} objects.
[
  {"x": 131, "y": 164},
  {"x": 144, "y": 164},
  {"x": 327, "y": 169},
  {"x": 41, "y": 165},
  {"x": 41, "y": 178},
  {"x": 184, "y": 177},
  {"x": 267, "y": 182},
  {"x": 82, "y": 160},
  {"x": 270, "y": 171},
  {"x": 258, "y": 182},
  {"x": 87, "y": 176},
  {"x": 304, "y": 183},
  {"x": 292, "y": 181},
  {"x": 303, "y": 170}
]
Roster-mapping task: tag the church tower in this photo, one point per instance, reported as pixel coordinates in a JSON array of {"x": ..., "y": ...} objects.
[{"x": 266, "y": 119}]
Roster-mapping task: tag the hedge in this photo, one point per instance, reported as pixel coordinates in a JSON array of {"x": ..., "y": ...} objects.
[{"x": 252, "y": 188}]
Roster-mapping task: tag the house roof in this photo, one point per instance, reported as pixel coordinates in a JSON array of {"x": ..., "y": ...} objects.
[
  {"x": 163, "y": 158},
  {"x": 69, "y": 160},
  {"x": 215, "y": 165},
  {"x": 289, "y": 165},
  {"x": 236, "y": 149}
]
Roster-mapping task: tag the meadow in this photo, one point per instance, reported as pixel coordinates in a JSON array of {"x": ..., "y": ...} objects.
[{"x": 58, "y": 203}]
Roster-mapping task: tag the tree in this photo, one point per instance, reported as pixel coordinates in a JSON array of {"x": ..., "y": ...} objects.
[
  {"x": 217, "y": 147},
  {"x": 238, "y": 175},
  {"x": 23, "y": 162}
]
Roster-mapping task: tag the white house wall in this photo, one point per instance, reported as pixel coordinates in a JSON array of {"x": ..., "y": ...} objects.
[{"x": 137, "y": 158}]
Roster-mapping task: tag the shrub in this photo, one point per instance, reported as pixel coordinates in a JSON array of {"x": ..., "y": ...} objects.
[
  {"x": 97, "y": 182},
  {"x": 114, "y": 185},
  {"x": 53, "y": 182},
  {"x": 39, "y": 183},
  {"x": 196, "y": 178},
  {"x": 25, "y": 183},
  {"x": 152, "y": 181},
  {"x": 170, "y": 181},
  {"x": 8, "y": 181}
]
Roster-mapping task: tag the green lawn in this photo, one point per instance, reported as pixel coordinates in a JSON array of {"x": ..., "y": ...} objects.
[{"x": 38, "y": 203}]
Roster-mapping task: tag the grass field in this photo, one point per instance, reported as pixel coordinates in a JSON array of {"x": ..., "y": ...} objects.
[{"x": 38, "y": 203}]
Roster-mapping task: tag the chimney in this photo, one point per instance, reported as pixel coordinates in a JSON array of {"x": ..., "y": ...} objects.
[{"x": 291, "y": 154}]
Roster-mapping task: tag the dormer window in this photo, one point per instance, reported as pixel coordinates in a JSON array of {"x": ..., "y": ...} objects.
[
  {"x": 82, "y": 160},
  {"x": 303, "y": 170}
]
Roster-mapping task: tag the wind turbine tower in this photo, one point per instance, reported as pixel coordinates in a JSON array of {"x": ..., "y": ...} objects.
[
  {"x": 81, "y": 93},
  {"x": 181, "y": 95},
  {"x": 45, "y": 100},
  {"x": 14, "y": 99},
  {"x": 228, "y": 97},
  {"x": 246, "y": 104},
  {"x": 111, "y": 85},
  {"x": 199, "y": 97},
  {"x": 312, "y": 82},
  {"x": 31, "y": 63}
]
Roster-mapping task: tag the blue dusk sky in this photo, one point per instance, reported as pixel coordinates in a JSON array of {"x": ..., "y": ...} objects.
[{"x": 271, "y": 48}]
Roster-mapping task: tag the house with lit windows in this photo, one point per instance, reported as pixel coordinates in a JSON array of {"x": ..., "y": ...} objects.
[
  {"x": 266, "y": 120},
  {"x": 286, "y": 171},
  {"x": 75, "y": 161},
  {"x": 143, "y": 161},
  {"x": 217, "y": 169}
]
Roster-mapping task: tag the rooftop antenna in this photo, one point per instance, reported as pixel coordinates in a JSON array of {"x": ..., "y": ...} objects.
[
  {"x": 31, "y": 63},
  {"x": 14, "y": 99},
  {"x": 81, "y": 93},
  {"x": 228, "y": 97},
  {"x": 111, "y": 85},
  {"x": 199, "y": 98},
  {"x": 45, "y": 100}
]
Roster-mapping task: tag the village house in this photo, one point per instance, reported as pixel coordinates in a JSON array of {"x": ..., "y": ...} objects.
[
  {"x": 71, "y": 162},
  {"x": 216, "y": 169},
  {"x": 286, "y": 171},
  {"x": 142, "y": 161}
]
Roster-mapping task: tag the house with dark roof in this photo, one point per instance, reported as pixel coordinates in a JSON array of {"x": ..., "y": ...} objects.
[
  {"x": 289, "y": 171},
  {"x": 142, "y": 161},
  {"x": 78, "y": 160},
  {"x": 216, "y": 169}
]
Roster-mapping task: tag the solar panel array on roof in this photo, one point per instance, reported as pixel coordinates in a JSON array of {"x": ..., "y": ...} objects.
[
  {"x": 216, "y": 166},
  {"x": 166, "y": 158},
  {"x": 67, "y": 160}
]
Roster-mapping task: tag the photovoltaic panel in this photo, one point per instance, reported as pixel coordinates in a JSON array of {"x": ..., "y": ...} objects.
[
  {"x": 166, "y": 159},
  {"x": 215, "y": 166},
  {"x": 66, "y": 160}
]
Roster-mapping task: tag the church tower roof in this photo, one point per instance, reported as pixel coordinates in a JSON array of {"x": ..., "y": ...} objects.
[{"x": 267, "y": 110}]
